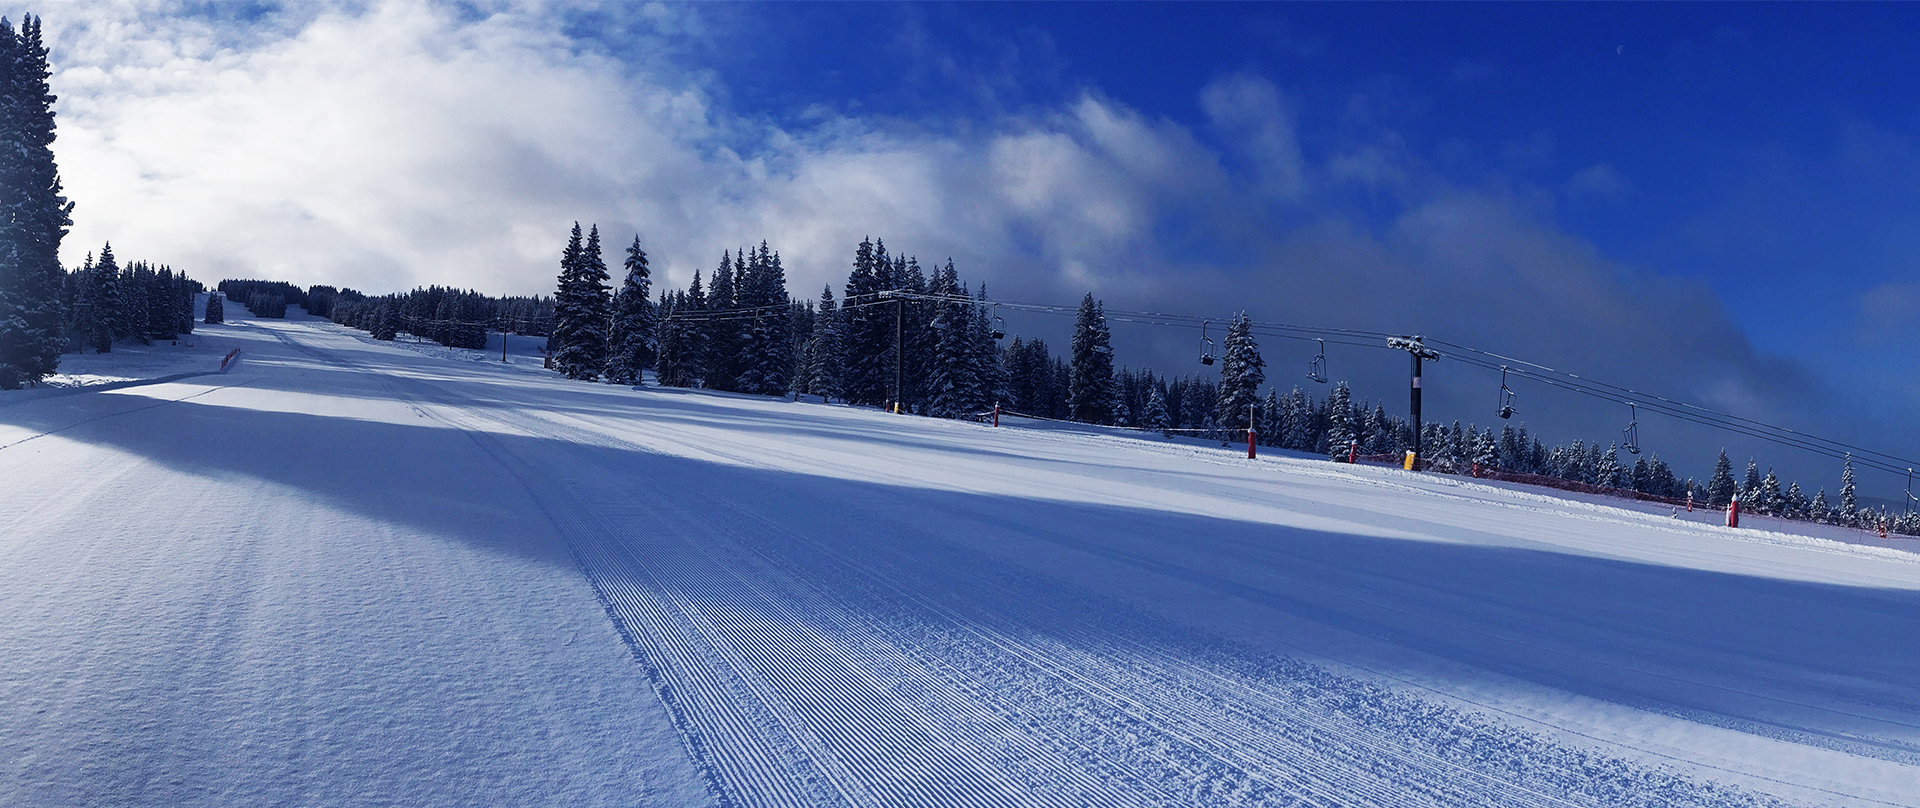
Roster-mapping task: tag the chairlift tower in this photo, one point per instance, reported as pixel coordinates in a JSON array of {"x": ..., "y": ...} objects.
[{"x": 1419, "y": 350}]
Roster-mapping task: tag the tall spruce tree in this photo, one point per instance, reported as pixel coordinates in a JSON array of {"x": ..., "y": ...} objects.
[
  {"x": 633, "y": 321},
  {"x": 867, "y": 335},
  {"x": 1242, "y": 371},
  {"x": 104, "y": 300},
  {"x": 1339, "y": 421},
  {"x": 1090, "y": 390},
  {"x": 824, "y": 377},
  {"x": 33, "y": 214},
  {"x": 1849, "y": 503},
  {"x": 216, "y": 309},
  {"x": 764, "y": 349},
  {"x": 1721, "y": 487},
  {"x": 581, "y": 309}
]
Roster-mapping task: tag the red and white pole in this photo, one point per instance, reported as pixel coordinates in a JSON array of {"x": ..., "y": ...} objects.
[
  {"x": 1353, "y": 451},
  {"x": 1249, "y": 444},
  {"x": 1689, "y": 500},
  {"x": 1733, "y": 513},
  {"x": 996, "y": 413}
]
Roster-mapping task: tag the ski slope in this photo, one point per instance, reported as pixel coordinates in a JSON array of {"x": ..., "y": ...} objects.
[{"x": 352, "y": 573}]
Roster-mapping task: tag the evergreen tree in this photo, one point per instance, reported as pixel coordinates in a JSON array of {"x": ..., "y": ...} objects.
[
  {"x": 581, "y": 309},
  {"x": 1720, "y": 487},
  {"x": 1607, "y": 471},
  {"x": 1242, "y": 371},
  {"x": 104, "y": 300},
  {"x": 1156, "y": 413},
  {"x": 1819, "y": 510},
  {"x": 867, "y": 329},
  {"x": 1661, "y": 482},
  {"x": 723, "y": 329},
  {"x": 633, "y": 321},
  {"x": 993, "y": 375},
  {"x": 1769, "y": 499},
  {"x": 673, "y": 366},
  {"x": 956, "y": 383},
  {"x": 1795, "y": 503},
  {"x": 33, "y": 214},
  {"x": 216, "y": 311},
  {"x": 824, "y": 378},
  {"x": 1750, "y": 489},
  {"x": 765, "y": 347},
  {"x": 1485, "y": 450},
  {"x": 1849, "y": 504},
  {"x": 1090, "y": 385},
  {"x": 136, "y": 305},
  {"x": 1339, "y": 422}
]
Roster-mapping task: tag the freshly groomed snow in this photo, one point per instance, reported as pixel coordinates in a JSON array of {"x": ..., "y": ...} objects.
[{"x": 357, "y": 573}]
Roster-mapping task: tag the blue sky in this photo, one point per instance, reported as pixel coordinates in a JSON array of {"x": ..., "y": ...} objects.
[{"x": 1715, "y": 202}]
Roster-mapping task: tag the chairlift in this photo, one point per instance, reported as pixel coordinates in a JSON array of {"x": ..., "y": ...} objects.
[
  {"x": 1631, "y": 438},
  {"x": 999, "y": 327},
  {"x": 1317, "y": 370},
  {"x": 1506, "y": 396},
  {"x": 1206, "y": 349}
]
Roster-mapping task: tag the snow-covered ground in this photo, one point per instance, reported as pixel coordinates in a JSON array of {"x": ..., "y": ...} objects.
[{"x": 353, "y": 573}]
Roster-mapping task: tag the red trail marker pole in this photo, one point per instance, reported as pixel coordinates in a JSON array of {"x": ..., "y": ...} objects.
[{"x": 1733, "y": 513}]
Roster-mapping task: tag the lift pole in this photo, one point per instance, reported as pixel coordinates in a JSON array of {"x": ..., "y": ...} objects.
[
  {"x": 1419, "y": 350},
  {"x": 899, "y": 351}
]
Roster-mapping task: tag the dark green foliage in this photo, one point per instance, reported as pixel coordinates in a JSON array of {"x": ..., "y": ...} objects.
[
  {"x": 1242, "y": 371},
  {"x": 581, "y": 307},
  {"x": 33, "y": 214},
  {"x": 216, "y": 310},
  {"x": 1090, "y": 388},
  {"x": 632, "y": 340}
]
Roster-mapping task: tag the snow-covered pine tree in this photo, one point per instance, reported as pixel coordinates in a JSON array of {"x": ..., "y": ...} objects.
[
  {"x": 866, "y": 329},
  {"x": 1486, "y": 451},
  {"x": 216, "y": 310},
  {"x": 672, "y": 363},
  {"x": 1607, "y": 471},
  {"x": 1242, "y": 371},
  {"x": 770, "y": 332},
  {"x": 723, "y": 331},
  {"x": 1090, "y": 385},
  {"x": 566, "y": 295},
  {"x": 1155, "y": 417},
  {"x": 1299, "y": 427},
  {"x": 33, "y": 214},
  {"x": 1750, "y": 488},
  {"x": 1272, "y": 419},
  {"x": 800, "y": 378},
  {"x": 1849, "y": 504},
  {"x": 633, "y": 337},
  {"x": 824, "y": 378},
  {"x": 1338, "y": 415},
  {"x": 1769, "y": 500},
  {"x": 921, "y": 345},
  {"x": 1721, "y": 487},
  {"x": 1794, "y": 503},
  {"x": 104, "y": 287},
  {"x": 993, "y": 375},
  {"x": 955, "y": 384},
  {"x": 1819, "y": 510},
  {"x": 581, "y": 329}
]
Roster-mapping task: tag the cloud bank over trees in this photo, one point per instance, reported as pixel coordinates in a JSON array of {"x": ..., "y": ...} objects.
[{"x": 395, "y": 144}]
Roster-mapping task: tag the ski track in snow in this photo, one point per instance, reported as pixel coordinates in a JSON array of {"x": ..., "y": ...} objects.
[
  {"x": 897, "y": 646},
  {"x": 804, "y": 677}
]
